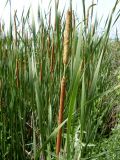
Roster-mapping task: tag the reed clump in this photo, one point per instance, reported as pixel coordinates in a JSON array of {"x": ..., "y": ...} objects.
[{"x": 49, "y": 71}]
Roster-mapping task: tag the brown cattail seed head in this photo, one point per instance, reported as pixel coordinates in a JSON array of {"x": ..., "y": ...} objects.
[
  {"x": 62, "y": 99},
  {"x": 60, "y": 118},
  {"x": 66, "y": 37}
]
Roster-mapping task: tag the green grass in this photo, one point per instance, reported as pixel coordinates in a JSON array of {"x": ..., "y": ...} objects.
[{"x": 31, "y": 69}]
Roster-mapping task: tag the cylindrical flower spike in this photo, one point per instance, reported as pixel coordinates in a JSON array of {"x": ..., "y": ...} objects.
[
  {"x": 60, "y": 118},
  {"x": 66, "y": 38}
]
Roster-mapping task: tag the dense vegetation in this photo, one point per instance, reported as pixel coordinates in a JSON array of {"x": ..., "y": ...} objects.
[{"x": 61, "y": 76}]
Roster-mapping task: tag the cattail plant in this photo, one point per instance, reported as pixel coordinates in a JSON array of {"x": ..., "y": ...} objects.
[{"x": 63, "y": 81}]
